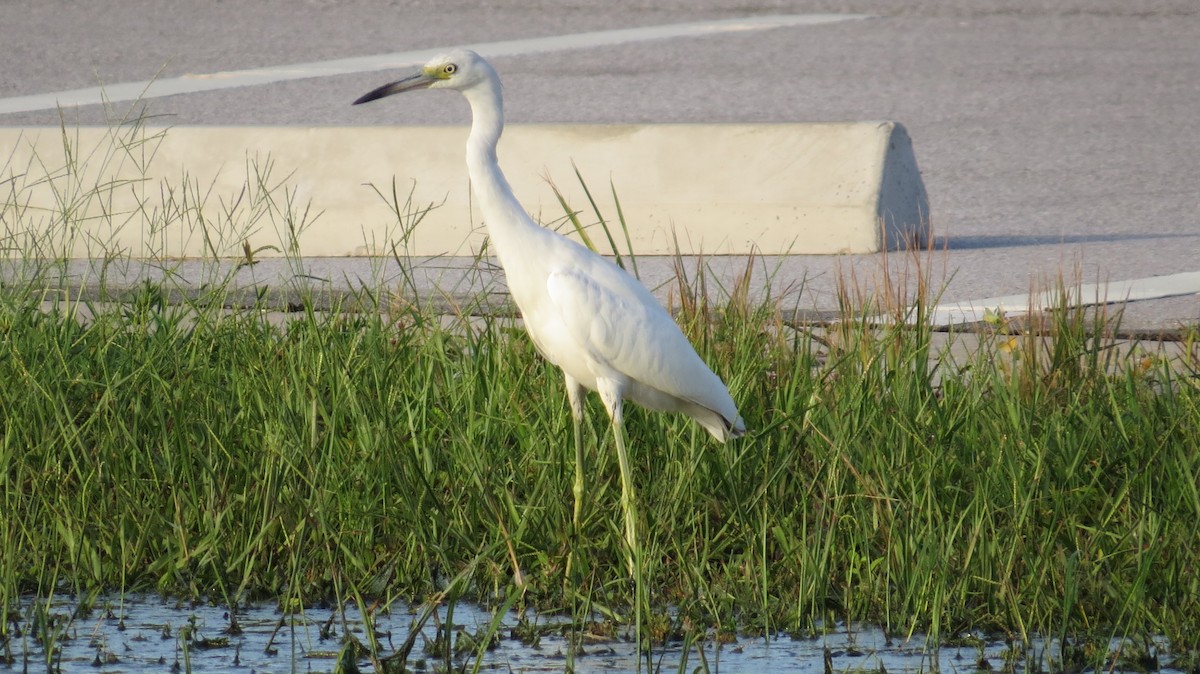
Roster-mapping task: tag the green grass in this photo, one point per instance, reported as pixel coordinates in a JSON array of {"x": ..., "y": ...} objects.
[{"x": 1046, "y": 483}]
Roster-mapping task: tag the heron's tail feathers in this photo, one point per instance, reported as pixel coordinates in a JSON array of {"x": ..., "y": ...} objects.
[{"x": 720, "y": 427}]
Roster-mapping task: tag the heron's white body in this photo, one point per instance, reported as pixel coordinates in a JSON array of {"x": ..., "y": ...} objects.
[{"x": 586, "y": 315}]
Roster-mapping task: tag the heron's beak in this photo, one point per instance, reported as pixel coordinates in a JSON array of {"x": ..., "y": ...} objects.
[{"x": 419, "y": 80}]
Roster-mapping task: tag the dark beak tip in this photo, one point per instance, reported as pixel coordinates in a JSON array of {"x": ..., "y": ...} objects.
[
  {"x": 376, "y": 94},
  {"x": 410, "y": 83},
  {"x": 372, "y": 95}
]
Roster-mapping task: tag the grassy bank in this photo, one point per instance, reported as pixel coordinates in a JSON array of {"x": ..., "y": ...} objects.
[
  {"x": 1042, "y": 481},
  {"x": 1039, "y": 483}
]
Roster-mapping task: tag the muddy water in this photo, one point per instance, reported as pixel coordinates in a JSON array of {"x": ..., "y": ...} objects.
[{"x": 148, "y": 634}]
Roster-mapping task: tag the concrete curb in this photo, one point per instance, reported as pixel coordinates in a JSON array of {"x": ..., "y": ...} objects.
[
  {"x": 717, "y": 189},
  {"x": 1083, "y": 295},
  {"x": 1152, "y": 308}
]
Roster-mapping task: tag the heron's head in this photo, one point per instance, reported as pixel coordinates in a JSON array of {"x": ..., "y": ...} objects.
[{"x": 460, "y": 69}]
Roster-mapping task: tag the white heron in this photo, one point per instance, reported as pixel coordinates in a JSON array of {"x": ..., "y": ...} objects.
[{"x": 586, "y": 315}]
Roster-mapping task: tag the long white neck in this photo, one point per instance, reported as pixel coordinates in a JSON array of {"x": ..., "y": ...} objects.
[
  {"x": 507, "y": 222},
  {"x": 487, "y": 123}
]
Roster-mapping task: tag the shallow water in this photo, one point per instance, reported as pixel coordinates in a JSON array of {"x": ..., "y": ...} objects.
[{"x": 148, "y": 634}]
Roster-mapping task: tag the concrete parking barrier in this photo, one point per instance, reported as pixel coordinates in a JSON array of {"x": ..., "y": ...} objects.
[{"x": 326, "y": 191}]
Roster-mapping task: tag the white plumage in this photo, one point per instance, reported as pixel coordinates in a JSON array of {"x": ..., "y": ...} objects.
[{"x": 585, "y": 314}]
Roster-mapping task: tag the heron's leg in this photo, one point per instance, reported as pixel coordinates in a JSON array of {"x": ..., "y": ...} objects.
[
  {"x": 627, "y": 498},
  {"x": 611, "y": 395},
  {"x": 575, "y": 395}
]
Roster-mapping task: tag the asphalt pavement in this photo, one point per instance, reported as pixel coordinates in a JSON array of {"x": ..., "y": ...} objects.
[{"x": 1053, "y": 137}]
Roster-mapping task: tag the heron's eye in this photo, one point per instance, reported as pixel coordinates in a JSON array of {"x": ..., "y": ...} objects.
[{"x": 450, "y": 69}]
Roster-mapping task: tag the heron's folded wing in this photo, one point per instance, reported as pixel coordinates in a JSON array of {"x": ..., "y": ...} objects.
[{"x": 627, "y": 331}]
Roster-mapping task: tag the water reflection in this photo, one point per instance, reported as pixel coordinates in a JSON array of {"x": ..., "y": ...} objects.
[{"x": 148, "y": 634}]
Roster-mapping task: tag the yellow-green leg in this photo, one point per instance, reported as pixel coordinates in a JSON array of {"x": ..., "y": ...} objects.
[
  {"x": 628, "y": 503},
  {"x": 633, "y": 549},
  {"x": 575, "y": 395},
  {"x": 610, "y": 394}
]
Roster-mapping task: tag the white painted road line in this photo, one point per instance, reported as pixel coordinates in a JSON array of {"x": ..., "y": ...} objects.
[
  {"x": 187, "y": 84},
  {"x": 1151, "y": 288}
]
